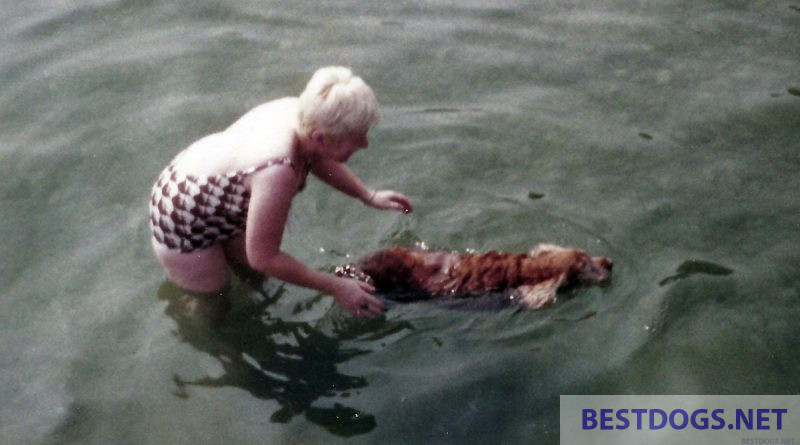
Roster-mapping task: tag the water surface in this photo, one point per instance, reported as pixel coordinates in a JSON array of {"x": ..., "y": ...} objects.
[{"x": 663, "y": 134}]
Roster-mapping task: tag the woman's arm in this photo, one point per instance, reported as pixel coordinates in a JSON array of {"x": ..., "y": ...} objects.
[
  {"x": 340, "y": 177},
  {"x": 271, "y": 195}
]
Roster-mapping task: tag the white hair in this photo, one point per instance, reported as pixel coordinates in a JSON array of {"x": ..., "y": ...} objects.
[{"x": 337, "y": 103}]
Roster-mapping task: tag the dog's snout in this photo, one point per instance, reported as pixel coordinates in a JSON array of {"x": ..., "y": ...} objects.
[{"x": 608, "y": 263}]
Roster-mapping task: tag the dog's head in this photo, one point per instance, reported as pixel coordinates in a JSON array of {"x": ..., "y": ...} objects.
[
  {"x": 576, "y": 265},
  {"x": 564, "y": 266}
]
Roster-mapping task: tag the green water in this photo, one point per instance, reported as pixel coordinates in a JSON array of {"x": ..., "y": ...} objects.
[{"x": 662, "y": 134}]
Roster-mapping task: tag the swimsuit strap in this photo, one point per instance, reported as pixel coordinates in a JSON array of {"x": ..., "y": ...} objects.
[{"x": 275, "y": 161}]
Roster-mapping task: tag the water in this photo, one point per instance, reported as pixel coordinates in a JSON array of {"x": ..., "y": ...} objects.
[{"x": 662, "y": 134}]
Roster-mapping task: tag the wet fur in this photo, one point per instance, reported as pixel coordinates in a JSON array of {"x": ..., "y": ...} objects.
[{"x": 530, "y": 279}]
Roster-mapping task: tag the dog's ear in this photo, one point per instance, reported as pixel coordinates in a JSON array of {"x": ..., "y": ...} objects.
[
  {"x": 539, "y": 295},
  {"x": 544, "y": 247}
]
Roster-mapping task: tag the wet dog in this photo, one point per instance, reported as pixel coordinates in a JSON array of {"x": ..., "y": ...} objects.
[{"x": 530, "y": 279}]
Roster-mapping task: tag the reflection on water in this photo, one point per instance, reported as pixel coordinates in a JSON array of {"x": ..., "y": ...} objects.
[{"x": 290, "y": 362}]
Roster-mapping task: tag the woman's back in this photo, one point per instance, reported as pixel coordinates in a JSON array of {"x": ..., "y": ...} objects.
[{"x": 263, "y": 133}]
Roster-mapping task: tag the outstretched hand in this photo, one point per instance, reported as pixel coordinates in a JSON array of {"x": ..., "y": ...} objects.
[
  {"x": 356, "y": 298},
  {"x": 389, "y": 200}
]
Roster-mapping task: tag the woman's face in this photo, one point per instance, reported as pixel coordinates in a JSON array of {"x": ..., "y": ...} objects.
[{"x": 341, "y": 150}]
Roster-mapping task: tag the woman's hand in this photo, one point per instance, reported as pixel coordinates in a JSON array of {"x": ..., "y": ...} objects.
[
  {"x": 389, "y": 200},
  {"x": 356, "y": 298}
]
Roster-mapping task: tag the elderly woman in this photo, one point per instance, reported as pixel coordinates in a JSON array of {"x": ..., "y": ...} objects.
[{"x": 226, "y": 198}]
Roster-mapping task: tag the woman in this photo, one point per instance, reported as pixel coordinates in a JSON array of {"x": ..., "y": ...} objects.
[{"x": 226, "y": 198}]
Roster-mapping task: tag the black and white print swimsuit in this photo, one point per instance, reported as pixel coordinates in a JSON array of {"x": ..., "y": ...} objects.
[{"x": 188, "y": 212}]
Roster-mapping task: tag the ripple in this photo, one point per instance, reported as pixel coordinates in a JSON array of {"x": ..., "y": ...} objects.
[
  {"x": 583, "y": 317},
  {"x": 439, "y": 110},
  {"x": 535, "y": 195}
]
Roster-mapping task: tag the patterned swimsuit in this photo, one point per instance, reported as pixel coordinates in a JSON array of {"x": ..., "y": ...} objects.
[{"x": 188, "y": 212}]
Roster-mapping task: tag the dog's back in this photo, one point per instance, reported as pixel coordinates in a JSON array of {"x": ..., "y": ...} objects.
[
  {"x": 411, "y": 272},
  {"x": 533, "y": 278},
  {"x": 447, "y": 273}
]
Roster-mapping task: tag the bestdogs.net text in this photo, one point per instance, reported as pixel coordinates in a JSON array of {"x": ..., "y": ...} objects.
[{"x": 762, "y": 419}]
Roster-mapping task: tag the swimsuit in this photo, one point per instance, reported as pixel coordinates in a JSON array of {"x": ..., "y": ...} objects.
[{"x": 189, "y": 212}]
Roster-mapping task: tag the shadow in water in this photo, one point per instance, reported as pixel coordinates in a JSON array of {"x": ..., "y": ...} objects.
[
  {"x": 290, "y": 362},
  {"x": 693, "y": 267}
]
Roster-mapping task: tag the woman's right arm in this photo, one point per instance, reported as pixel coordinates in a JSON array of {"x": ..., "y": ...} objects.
[{"x": 271, "y": 195}]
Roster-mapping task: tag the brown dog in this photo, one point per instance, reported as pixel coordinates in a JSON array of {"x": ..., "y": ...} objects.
[{"x": 530, "y": 279}]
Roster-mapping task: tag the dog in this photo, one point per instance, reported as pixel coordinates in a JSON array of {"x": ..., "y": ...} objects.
[{"x": 530, "y": 279}]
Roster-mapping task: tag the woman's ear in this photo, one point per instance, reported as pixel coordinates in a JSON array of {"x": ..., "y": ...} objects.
[{"x": 318, "y": 138}]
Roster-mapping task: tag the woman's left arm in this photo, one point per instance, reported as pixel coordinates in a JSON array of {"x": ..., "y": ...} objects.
[{"x": 340, "y": 177}]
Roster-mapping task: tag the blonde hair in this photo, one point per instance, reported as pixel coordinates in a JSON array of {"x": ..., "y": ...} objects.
[{"x": 337, "y": 103}]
